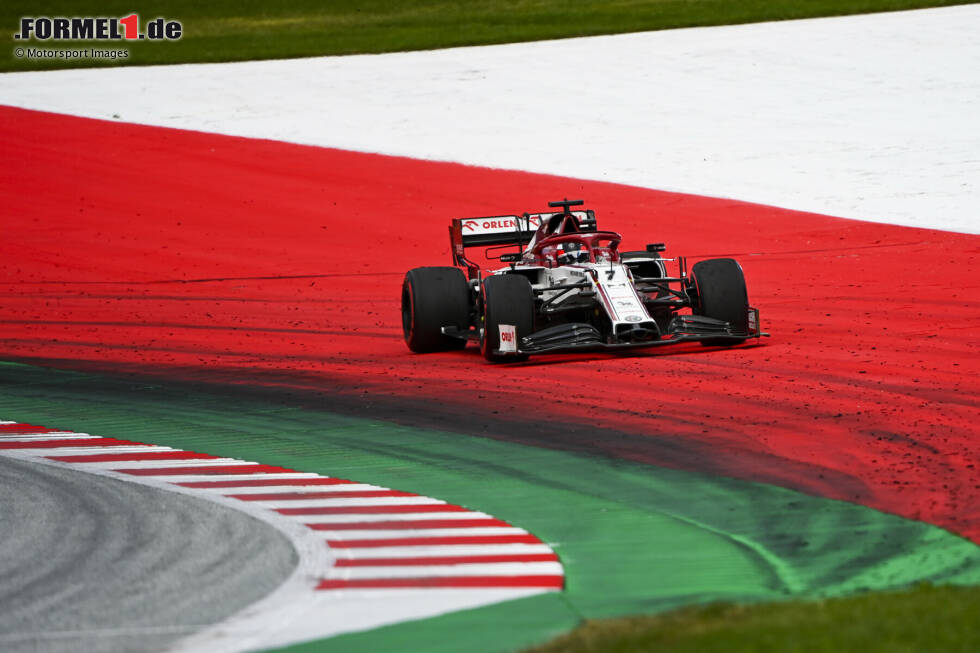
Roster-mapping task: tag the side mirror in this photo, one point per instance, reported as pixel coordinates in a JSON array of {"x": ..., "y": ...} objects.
[{"x": 656, "y": 247}]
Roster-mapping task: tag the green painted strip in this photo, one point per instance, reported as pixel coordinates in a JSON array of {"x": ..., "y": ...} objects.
[{"x": 633, "y": 538}]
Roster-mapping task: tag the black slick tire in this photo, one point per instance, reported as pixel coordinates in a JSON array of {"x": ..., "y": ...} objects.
[
  {"x": 719, "y": 285},
  {"x": 432, "y": 298},
  {"x": 507, "y": 299}
]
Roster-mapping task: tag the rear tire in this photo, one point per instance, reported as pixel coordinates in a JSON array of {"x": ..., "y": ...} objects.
[
  {"x": 507, "y": 299},
  {"x": 721, "y": 294},
  {"x": 432, "y": 298}
]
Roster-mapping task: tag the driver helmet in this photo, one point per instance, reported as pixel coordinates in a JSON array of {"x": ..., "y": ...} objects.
[{"x": 572, "y": 252}]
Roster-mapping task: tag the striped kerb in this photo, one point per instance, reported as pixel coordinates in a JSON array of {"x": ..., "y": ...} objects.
[{"x": 383, "y": 539}]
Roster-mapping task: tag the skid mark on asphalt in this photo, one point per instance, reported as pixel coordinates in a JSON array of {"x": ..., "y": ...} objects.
[{"x": 379, "y": 539}]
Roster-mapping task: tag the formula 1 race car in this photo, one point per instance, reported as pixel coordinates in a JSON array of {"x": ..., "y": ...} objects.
[{"x": 568, "y": 287}]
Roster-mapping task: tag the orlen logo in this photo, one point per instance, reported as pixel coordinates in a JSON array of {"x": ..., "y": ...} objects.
[
  {"x": 489, "y": 224},
  {"x": 508, "y": 338},
  {"x": 97, "y": 29},
  {"x": 497, "y": 223}
]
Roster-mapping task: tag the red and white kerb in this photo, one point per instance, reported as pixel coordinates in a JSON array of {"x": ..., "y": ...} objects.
[{"x": 380, "y": 538}]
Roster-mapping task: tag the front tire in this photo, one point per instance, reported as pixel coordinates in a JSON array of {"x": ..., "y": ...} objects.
[
  {"x": 719, "y": 285},
  {"x": 432, "y": 298},
  {"x": 507, "y": 299}
]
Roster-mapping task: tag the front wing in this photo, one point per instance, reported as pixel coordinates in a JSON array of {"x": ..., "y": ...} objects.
[{"x": 575, "y": 336}]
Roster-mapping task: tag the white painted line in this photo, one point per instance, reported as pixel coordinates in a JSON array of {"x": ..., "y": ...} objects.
[
  {"x": 439, "y": 550},
  {"x": 18, "y": 437},
  {"x": 871, "y": 117},
  {"x": 191, "y": 477},
  {"x": 425, "y": 532},
  {"x": 190, "y": 464},
  {"x": 360, "y": 610},
  {"x": 47, "y": 435},
  {"x": 406, "y": 516},
  {"x": 485, "y": 569},
  {"x": 93, "y": 451},
  {"x": 290, "y": 489},
  {"x": 54, "y": 452},
  {"x": 351, "y": 502}
]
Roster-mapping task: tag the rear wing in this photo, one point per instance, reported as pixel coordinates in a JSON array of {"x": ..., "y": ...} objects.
[
  {"x": 502, "y": 230},
  {"x": 497, "y": 230}
]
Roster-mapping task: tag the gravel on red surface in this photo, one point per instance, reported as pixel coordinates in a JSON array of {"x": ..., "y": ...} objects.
[{"x": 192, "y": 256}]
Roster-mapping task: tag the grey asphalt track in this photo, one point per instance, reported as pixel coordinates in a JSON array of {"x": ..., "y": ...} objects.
[{"x": 92, "y": 563}]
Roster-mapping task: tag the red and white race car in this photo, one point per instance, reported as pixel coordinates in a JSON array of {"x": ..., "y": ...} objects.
[{"x": 568, "y": 287}]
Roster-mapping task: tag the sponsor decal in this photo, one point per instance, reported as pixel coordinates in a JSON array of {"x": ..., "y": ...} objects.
[
  {"x": 495, "y": 224},
  {"x": 621, "y": 299},
  {"x": 499, "y": 223},
  {"x": 508, "y": 339}
]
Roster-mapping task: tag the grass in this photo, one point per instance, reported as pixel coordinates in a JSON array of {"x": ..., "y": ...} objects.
[
  {"x": 250, "y": 29},
  {"x": 634, "y": 539},
  {"x": 924, "y": 618}
]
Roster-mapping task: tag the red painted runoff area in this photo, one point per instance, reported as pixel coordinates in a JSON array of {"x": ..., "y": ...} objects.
[{"x": 191, "y": 256}]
